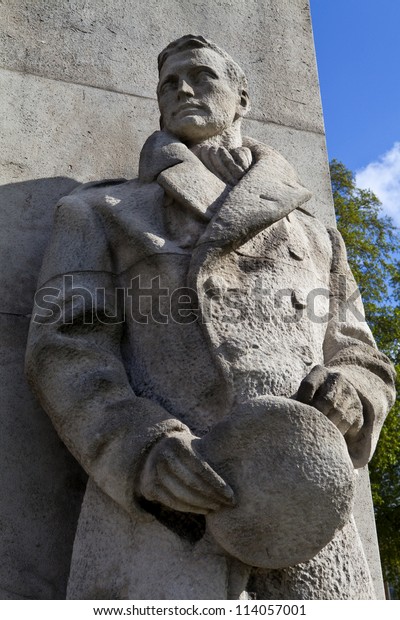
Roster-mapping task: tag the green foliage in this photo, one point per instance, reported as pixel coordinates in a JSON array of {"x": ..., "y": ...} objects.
[{"x": 373, "y": 244}]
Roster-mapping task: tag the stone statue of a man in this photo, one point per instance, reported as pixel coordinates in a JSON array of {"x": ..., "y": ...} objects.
[{"x": 178, "y": 297}]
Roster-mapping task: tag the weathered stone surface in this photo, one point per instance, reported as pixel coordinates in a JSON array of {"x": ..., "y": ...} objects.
[
  {"x": 363, "y": 509},
  {"x": 70, "y": 130},
  {"x": 334, "y": 574},
  {"x": 110, "y": 45},
  {"x": 41, "y": 487},
  {"x": 114, "y": 557},
  {"x": 26, "y": 219}
]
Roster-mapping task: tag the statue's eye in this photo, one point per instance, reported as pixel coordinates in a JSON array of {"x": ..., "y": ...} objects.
[
  {"x": 168, "y": 85},
  {"x": 204, "y": 74}
]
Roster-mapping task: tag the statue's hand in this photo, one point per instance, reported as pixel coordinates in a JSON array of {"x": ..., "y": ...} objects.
[
  {"x": 332, "y": 394},
  {"x": 176, "y": 476}
]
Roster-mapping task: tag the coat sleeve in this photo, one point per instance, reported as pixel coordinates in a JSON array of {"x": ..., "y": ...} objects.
[
  {"x": 73, "y": 358},
  {"x": 350, "y": 348}
]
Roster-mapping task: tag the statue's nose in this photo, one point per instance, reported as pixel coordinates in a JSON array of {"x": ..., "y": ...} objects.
[{"x": 184, "y": 88}]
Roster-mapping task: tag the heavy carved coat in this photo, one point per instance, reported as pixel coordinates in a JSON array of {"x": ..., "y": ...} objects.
[{"x": 242, "y": 292}]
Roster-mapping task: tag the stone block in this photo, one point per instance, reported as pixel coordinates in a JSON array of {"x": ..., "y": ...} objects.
[
  {"x": 66, "y": 133},
  {"x": 70, "y": 130},
  {"x": 41, "y": 485},
  {"x": 108, "y": 45},
  {"x": 26, "y": 214}
]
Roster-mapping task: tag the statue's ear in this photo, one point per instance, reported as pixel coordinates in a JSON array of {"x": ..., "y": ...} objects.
[{"x": 244, "y": 104}]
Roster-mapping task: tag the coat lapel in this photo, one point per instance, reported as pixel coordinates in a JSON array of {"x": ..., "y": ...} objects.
[
  {"x": 268, "y": 192},
  {"x": 181, "y": 174}
]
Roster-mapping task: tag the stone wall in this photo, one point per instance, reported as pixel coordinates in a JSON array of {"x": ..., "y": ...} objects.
[{"x": 78, "y": 81}]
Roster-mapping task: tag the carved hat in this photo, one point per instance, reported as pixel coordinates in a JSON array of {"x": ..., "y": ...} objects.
[{"x": 292, "y": 477}]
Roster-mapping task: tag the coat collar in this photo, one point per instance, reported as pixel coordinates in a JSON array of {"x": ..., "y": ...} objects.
[{"x": 268, "y": 192}]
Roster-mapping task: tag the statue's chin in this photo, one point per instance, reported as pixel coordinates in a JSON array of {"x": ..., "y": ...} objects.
[{"x": 195, "y": 128}]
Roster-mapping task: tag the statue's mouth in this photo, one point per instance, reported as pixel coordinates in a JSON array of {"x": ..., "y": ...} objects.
[{"x": 190, "y": 108}]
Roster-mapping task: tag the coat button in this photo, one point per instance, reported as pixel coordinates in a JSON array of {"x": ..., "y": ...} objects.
[
  {"x": 299, "y": 300},
  {"x": 233, "y": 349},
  {"x": 298, "y": 253},
  {"x": 306, "y": 355},
  {"x": 214, "y": 286}
]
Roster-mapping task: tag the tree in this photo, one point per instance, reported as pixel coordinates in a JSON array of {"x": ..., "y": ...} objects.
[{"x": 373, "y": 244}]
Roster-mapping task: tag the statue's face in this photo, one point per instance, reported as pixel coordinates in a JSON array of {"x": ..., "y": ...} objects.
[{"x": 197, "y": 98}]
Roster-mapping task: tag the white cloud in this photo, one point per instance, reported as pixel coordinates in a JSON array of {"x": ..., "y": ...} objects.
[{"x": 383, "y": 178}]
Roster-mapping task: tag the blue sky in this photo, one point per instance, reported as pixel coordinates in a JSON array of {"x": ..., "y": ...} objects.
[{"x": 358, "y": 55}]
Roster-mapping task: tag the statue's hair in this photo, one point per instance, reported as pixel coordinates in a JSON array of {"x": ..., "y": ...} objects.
[{"x": 191, "y": 41}]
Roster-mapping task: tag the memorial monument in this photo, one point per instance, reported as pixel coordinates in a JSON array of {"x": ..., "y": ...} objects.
[{"x": 199, "y": 346}]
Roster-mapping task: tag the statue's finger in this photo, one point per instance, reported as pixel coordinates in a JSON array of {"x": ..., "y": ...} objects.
[
  {"x": 311, "y": 384},
  {"x": 218, "y": 164},
  {"x": 226, "y": 158},
  {"x": 210, "y": 475},
  {"x": 178, "y": 495},
  {"x": 355, "y": 428},
  {"x": 242, "y": 156},
  {"x": 168, "y": 499},
  {"x": 202, "y": 482},
  {"x": 338, "y": 418}
]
